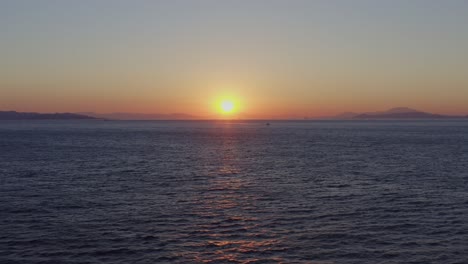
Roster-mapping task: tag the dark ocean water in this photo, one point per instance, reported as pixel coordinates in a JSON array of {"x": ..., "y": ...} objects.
[{"x": 234, "y": 192}]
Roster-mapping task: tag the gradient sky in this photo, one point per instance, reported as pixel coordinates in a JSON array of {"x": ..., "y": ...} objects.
[{"x": 275, "y": 58}]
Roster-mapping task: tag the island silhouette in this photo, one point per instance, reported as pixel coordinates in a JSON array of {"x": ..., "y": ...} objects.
[
  {"x": 13, "y": 115},
  {"x": 393, "y": 113}
]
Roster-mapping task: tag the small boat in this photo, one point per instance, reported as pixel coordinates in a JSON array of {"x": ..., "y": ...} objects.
[{"x": 267, "y": 124}]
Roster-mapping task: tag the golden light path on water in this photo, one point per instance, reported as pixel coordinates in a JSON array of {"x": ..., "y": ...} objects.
[{"x": 232, "y": 233}]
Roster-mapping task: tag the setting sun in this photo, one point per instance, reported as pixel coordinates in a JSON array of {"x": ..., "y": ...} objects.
[{"x": 227, "y": 106}]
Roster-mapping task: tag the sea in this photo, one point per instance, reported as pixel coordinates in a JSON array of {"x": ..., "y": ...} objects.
[{"x": 362, "y": 191}]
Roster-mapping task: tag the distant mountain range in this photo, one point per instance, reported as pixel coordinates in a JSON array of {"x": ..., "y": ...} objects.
[
  {"x": 394, "y": 113},
  {"x": 13, "y": 115},
  {"x": 139, "y": 116}
]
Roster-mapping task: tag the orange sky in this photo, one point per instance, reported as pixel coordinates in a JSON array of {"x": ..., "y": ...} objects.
[{"x": 275, "y": 59}]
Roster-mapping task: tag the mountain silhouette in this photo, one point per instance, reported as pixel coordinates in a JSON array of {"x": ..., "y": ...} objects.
[
  {"x": 13, "y": 115},
  {"x": 394, "y": 113}
]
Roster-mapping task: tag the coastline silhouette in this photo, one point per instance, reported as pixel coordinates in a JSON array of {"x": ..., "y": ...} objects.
[{"x": 393, "y": 113}]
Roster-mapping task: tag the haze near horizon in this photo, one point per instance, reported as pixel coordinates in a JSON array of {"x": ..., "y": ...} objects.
[{"x": 266, "y": 59}]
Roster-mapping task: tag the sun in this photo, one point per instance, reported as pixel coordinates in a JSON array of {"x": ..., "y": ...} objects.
[{"x": 227, "y": 106}]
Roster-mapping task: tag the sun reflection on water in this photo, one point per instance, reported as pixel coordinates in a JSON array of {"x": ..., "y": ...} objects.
[{"x": 229, "y": 230}]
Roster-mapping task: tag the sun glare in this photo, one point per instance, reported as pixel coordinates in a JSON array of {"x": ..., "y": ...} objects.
[{"x": 227, "y": 106}]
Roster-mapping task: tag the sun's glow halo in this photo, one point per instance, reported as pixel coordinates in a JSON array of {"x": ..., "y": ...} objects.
[{"x": 227, "y": 106}]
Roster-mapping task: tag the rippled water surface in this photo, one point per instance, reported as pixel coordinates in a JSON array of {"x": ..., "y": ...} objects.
[{"x": 234, "y": 192}]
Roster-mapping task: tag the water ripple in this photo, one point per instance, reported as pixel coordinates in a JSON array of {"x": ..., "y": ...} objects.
[{"x": 237, "y": 192}]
